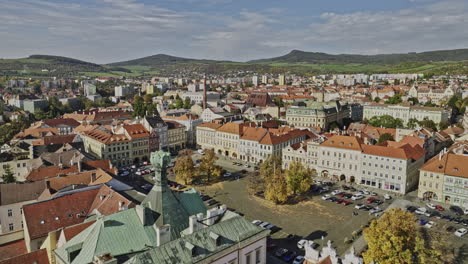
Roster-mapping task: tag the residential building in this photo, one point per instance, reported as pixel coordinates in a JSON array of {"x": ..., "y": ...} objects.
[
  {"x": 158, "y": 131},
  {"x": 64, "y": 126},
  {"x": 390, "y": 167},
  {"x": 99, "y": 116},
  {"x": 444, "y": 178},
  {"x": 281, "y": 79},
  {"x": 247, "y": 142},
  {"x": 190, "y": 122},
  {"x": 255, "y": 80},
  {"x": 12, "y": 198},
  {"x": 434, "y": 95},
  {"x": 406, "y": 112},
  {"x": 33, "y": 106},
  {"x": 176, "y": 135},
  {"x": 216, "y": 113},
  {"x": 123, "y": 146},
  {"x": 315, "y": 114},
  {"x": 124, "y": 91},
  {"x": 20, "y": 167},
  {"x": 89, "y": 89}
]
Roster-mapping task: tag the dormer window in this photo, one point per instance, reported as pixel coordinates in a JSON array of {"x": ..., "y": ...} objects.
[{"x": 42, "y": 222}]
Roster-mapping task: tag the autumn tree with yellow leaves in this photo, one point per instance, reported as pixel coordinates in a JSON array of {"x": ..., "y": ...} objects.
[{"x": 396, "y": 238}]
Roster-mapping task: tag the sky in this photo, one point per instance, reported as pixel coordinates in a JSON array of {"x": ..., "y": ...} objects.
[{"x": 104, "y": 31}]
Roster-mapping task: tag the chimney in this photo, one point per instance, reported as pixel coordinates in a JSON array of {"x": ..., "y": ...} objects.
[
  {"x": 163, "y": 235},
  {"x": 193, "y": 224},
  {"x": 204, "y": 94},
  {"x": 216, "y": 238},
  {"x": 79, "y": 165},
  {"x": 141, "y": 214},
  {"x": 190, "y": 248},
  {"x": 60, "y": 162}
]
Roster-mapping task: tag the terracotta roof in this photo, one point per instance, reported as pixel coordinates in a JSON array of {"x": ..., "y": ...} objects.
[
  {"x": 136, "y": 131},
  {"x": 182, "y": 117},
  {"x": 20, "y": 192},
  {"x": 231, "y": 128},
  {"x": 106, "y": 165},
  {"x": 345, "y": 142},
  {"x": 405, "y": 152},
  {"x": 70, "y": 209},
  {"x": 210, "y": 125},
  {"x": 454, "y": 131},
  {"x": 37, "y": 132},
  {"x": 85, "y": 127},
  {"x": 109, "y": 201},
  {"x": 259, "y": 99},
  {"x": 52, "y": 171},
  {"x": 106, "y": 137},
  {"x": 71, "y": 231},
  {"x": 253, "y": 133},
  {"x": 35, "y": 257},
  {"x": 13, "y": 249},
  {"x": 326, "y": 260},
  {"x": 449, "y": 164},
  {"x": 61, "y": 121},
  {"x": 173, "y": 124},
  {"x": 82, "y": 178},
  {"x": 56, "y": 139}
]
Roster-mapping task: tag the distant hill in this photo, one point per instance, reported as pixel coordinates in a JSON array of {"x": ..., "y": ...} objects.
[
  {"x": 46, "y": 65},
  {"x": 159, "y": 60},
  {"x": 297, "y": 56}
]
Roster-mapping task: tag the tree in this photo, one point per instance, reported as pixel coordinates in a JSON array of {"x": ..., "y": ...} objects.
[
  {"x": 148, "y": 99},
  {"x": 386, "y": 121},
  {"x": 179, "y": 103},
  {"x": 270, "y": 166},
  {"x": 443, "y": 125},
  {"x": 377, "y": 99},
  {"x": 298, "y": 178},
  {"x": 184, "y": 169},
  {"x": 385, "y": 137},
  {"x": 8, "y": 175},
  {"x": 428, "y": 123},
  {"x": 396, "y": 99},
  {"x": 395, "y": 238},
  {"x": 413, "y": 100},
  {"x": 187, "y": 103},
  {"x": 208, "y": 166},
  {"x": 138, "y": 106},
  {"x": 412, "y": 123},
  {"x": 278, "y": 101},
  {"x": 276, "y": 189}
]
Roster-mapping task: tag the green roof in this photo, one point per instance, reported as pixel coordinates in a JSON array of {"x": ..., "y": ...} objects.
[
  {"x": 120, "y": 234},
  {"x": 174, "y": 208},
  {"x": 231, "y": 232}
]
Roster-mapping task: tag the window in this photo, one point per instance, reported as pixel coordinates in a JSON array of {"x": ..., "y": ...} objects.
[
  {"x": 258, "y": 255},
  {"x": 248, "y": 258},
  {"x": 10, "y": 212},
  {"x": 10, "y": 227}
]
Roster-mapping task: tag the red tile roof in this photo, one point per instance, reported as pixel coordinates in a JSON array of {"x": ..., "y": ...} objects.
[
  {"x": 52, "y": 171},
  {"x": 136, "y": 131},
  {"x": 345, "y": 142},
  {"x": 43, "y": 217},
  {"x": 57, "y": 139},
  {"x": 13, "y": 249},
  {"x": 71, "y": 231},
  {"x": 405, "y": 152},
  {"x": 61, "y": 121},
  {"x": 35, "y": 257},
  {"x": 108, "y": 201}
]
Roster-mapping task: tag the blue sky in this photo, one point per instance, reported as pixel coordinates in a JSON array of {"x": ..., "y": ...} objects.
[{"x": 105, "y": 31}]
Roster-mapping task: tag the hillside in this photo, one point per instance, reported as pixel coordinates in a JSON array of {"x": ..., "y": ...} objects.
[
  {"x": 45, "y": 65},
  {"x": 297, "y": 56},
  {"x": 159, "y": 60}
]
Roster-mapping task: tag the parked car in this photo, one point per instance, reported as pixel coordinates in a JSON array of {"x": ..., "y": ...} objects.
[
  {"x": 375, "y": 210},
  {"x": 346, "y": 202},
  {"x": 347, "y": 195},
  {"x": 457, "y": 210},
  {"x": 332, "y": 199},
  {"x": 359, "y": 206},
  {"x": 357, "y": 197},
  {"x": 301, "y": 243},
  {"x": 201, "y": 151},
  {"x": 270, "y": 226},
  {"x": 336, "y": 192},
  {"x": 326, "y": 197},
  {"x": 280, "y": 252},
  {"x": 431, "y": 205},
  {"x": 461, "y": 232},
  {"x": 345, "y": 187},
  {"x": 450, "y": 229},
  {"x": 421, "y": 211},
  {"x": 439, "y": 208},
  {"x": 429, "y": 224},
  {"x": 370, "y": 200},
  {"x": 378, "y": 202},
  {"x": 264, "y": 224},
  {"x": 338, "y": 201},
  {"x": 387, "y": 197},
  {"x": 423, "y": 221},
  {"x": 289, "y": 256},
  {"x": 298, "y": 260},
  {"x": 411, "y": 209},
  {"x": 256, "y": 222},
  {"x": 227, "y": 174}
]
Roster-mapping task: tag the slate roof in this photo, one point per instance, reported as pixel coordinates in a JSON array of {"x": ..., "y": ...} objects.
[{"x": 230, "y": 232}]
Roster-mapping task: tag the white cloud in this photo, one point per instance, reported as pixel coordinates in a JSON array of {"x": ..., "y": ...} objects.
[{"x": 113, "y": 30}]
